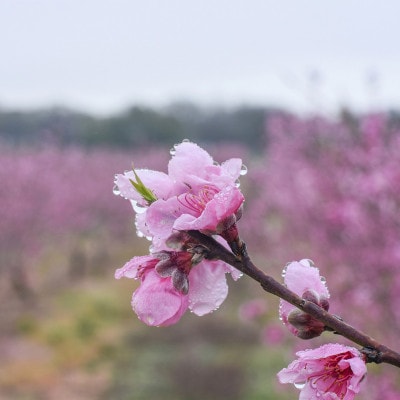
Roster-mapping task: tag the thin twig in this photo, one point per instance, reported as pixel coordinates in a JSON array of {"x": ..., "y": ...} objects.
[{"x": 374, "y": 351}]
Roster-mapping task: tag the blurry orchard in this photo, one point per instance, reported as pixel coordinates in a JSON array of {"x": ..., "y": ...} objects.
[{"x": 316, "y": 188}]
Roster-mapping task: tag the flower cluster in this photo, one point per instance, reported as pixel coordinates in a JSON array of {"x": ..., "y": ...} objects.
[
  {"x": 180, "y": 273},
  {"x": 196, "y": 194},
  {"x": 332, "y": 371}
]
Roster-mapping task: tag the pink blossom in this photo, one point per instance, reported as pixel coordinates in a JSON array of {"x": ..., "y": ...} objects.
[
  {"x": 197, "y": 193},
  {"x": 156, "y": 302},
  {"x": 171, "y": 283},
  {"x": 304, "y": 280},
  {"x": 208, "y": 209},
  {"x": 330, "y": 372}
]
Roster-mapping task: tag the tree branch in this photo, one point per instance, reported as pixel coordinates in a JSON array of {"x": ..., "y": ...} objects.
[{"x": 373, "y": 350}]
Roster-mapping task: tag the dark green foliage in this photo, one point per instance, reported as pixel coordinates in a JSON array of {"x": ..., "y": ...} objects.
[{"x": 137, "y": 126}]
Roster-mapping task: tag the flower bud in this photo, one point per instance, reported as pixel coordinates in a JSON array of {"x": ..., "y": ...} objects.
[
  {"x": 165, "y": 268},
  {"x": 311, "y": 295},
  {"x": 307, "y": 327},
  {"x": 318, "y": 299},
  {"x": 180, "y": 281}
]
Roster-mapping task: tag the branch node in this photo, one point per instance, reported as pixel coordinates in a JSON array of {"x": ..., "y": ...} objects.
[{"x": 372, "y": 355}]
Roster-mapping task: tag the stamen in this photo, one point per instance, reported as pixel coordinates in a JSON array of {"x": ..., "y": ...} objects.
[
  {"x": 197, "y": 202},
  {"x": 332, "y": 370}
]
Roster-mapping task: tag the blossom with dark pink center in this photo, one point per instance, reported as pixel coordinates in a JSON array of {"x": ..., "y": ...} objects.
[
  {"x": 303, "y": 279},
  {"x": 208, "y": 210},
  {"x": 196, "y": 194},
  {"x": 330, "y": 372}
]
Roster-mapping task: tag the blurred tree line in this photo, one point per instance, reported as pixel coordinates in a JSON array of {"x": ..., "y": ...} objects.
[{"x": 136, "y": 126}]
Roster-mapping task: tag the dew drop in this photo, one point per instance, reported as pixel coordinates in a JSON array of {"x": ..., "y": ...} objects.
[
  {"x": 150, "y": 320},
  {"x": 185, "y": 141},
  {"x": 323, "y": 279},
  {"x": 237, "y": 184},
  {"x": 139, "y": 234},
  {"x": 243, "y": 170},
  {"x": 172, "y": 151},
  {"x": 138, "y": 207},
  {"x": 300, "y": 385},
  {"x": 116, "y": 190},
  {"x": 283, "y": 273},
  {"x": 307, "y": 262}
]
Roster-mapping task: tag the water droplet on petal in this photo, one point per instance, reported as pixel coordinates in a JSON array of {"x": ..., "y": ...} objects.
[
  {"x": 185, "y": 141},
  {"x": 243, "y": 170},
  {"x": 323, "y": 279},
  {"x": 300, "y": 385},
  {"x": 116, "y": 190},
  {"x": 307, "y": 262},
  {"x": 237, "y": 184},
  {"x": 139, "y": 234},
  {"x": 150, "y": 320},
  {"x": 172, "y": 151},
  {"x": 138, "y": 207}
]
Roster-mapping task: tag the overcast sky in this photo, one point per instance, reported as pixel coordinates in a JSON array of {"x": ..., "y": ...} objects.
[{"x": 102, "y": 55}]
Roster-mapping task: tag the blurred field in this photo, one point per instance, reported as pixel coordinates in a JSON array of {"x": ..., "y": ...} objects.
[
  {"x": 79, "y": 339},
  {"x": 67, "y": 330}
]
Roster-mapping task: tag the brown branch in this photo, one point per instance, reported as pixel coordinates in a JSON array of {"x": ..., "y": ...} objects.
[{"x": 374, "y": 351}]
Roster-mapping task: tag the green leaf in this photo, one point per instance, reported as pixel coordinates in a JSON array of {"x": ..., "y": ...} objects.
[{"x": 144, "y": 191}]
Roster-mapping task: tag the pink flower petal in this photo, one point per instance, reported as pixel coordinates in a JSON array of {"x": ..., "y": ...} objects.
[
  {"x": 223, "y": 205},
  {"x": 134, "y": 266},
  {"x": 159, "y": 183},
  {"x": 300, "y": 277},
  {"x": 156, "y": 302},
  {"x": 232, "y": 168},
  {"x": 161, "y": 216},
  {"x": 207, "y": 287},
  {"x": 189, "y": 159}
]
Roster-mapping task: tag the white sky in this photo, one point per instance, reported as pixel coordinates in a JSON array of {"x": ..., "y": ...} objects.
[{"x": 103, "y": 55}]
